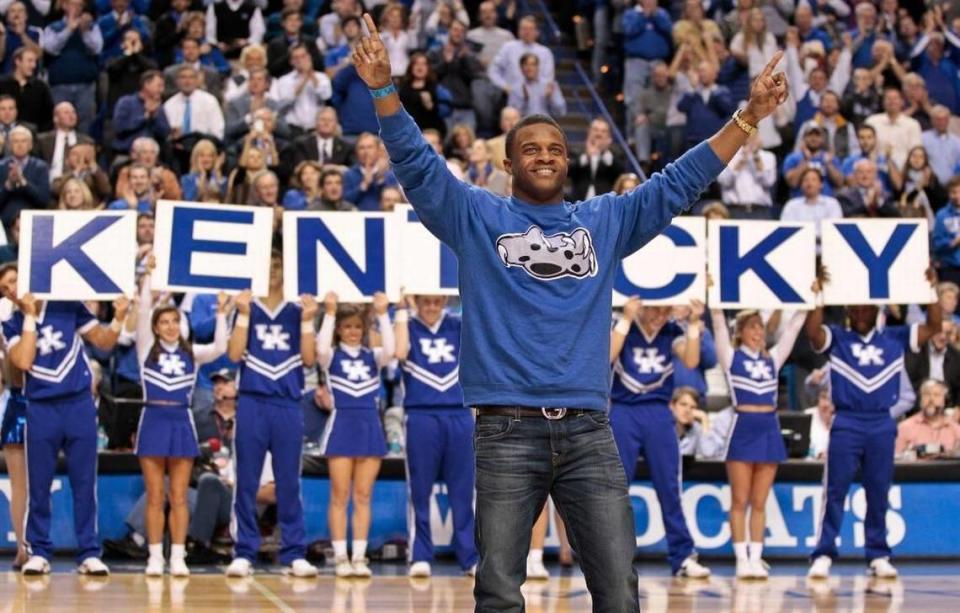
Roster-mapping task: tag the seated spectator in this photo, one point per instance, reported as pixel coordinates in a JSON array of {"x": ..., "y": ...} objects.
[
  {"x": 141, "y": 114},
  {"x": 52, "y": 146},
  {"x": 168, "y": 30},
  {"x": 192, "y": 114},
  {"x": 24, "y": 180},
  {"x": 124, "y": 71},
  {"x": 534, "y": 95},
  {"x": 711, "y": 104},
  {"x": 917, "y": 99},
  {"x": 866, "y": 196},
  {"x": 454, "y": 166},
  {"x": 929, "y": 432},
  {"x": 647, "y": 35},
  {"x": 75, "y": 196},
  {"x": 509, "y": 116},
  {"x": 812, "y": 154},
  {"x": 232, "y": 24},
  {"x": 625, "y": 183},
  {"x": 331, "y": 192},
  {"x": 942, "y": 146},
  {"x": 918, "y": 190},
  {"x": 239, "y": 116},
  {"x": 265, "y": 192},
  {"x": 253, "y": 57},
  {"x": 938, "y": 71},
  {"x": 34, "y": 102},
  {"x": 938, "y": 359},
  {"x": 897, "y": 133},
  {"x": 363, "y": 182},
  {"x": 690, "y": 421},
  {"x": 146, "y": 151},
  {"x": 73, "y": 44},
  {"x": 138, "y": 194},
  {"x": 308, "y": 10},
  {"x": 115, "y": 24},
  {"x": 305, "y": 189},
  {"x": 18, "y": 33},
  {"x": 747, "y": 181},
  {"x": 947, "y": 296},
  {"x": 593, "y": 171},
  {"x": 324, "y": 145},
  {"x": 945, "y": 240},
  {"x": 239, "y": 182},
  {"x": 205, "y": 181},
  {"x": 812, "y": 205},
  {"x": 263, "y": 135},
  {"x": 482, "y": 173},
  {"x": 339, "y": 56},
  {"x": 840, "y": 133},
  {"x": 278, "y": 50},
  {"x": 9, "y": 120},
  {"x": 649, "y": 111},
  {"x": 867, "y": 141},
  {"x": 695, "y": 31},
  {"x": 81, "y": 163},
  {"x": 505, "y": 69},
  {"x": 459, "y": 143},
  {"x": 301, "y": 92},
  {"x": 390, "y": 197},
  {"x": 208, "y": 78},
  {"x": 457, "y": 69},
  {"x": 397, "y": 39},
  {"x": 861, "y": 98},
  {"x": 426, "y": 101}
]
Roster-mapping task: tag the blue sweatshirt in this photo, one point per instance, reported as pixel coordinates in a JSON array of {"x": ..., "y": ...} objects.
[
  {"x": 647, "y": 37},
  {"x": 946, "y": 228},
  {"x": 536, "y": 280}
]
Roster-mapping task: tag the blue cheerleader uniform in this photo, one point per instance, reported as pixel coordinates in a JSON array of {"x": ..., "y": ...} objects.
[
  {"x": 354, "y": 428},
  {"x": 13, "y": 428},
  {"x": 166, "y": 424}
]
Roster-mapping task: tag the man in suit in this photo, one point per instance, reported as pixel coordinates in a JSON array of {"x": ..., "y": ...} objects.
[
  {"x": 866, "y": 197},
  {"x": 324, "y": 145},
  {"x": 8, "y": 121},
  {"x": 24, "y": 180},
  {"x": 52, "y": 146},
  {"x": 278, "y": 51},
  {"x": 939, "y": 360},
  {"x": 594, "y": 171},
  {"x": 210, "y": 80},
  {"x": 239, "y": 114}
]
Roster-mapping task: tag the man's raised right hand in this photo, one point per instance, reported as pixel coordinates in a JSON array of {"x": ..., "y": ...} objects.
[{"x": 370, "y": 57}]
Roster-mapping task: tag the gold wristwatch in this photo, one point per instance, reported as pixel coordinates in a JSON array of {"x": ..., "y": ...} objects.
[{"x": 742, "y": 123}]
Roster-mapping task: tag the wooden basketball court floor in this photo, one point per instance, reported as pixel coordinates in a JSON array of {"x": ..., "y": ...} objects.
[{"x": 926, "y": 588}]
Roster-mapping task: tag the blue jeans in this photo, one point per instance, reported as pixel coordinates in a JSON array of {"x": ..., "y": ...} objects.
[{"x": 522, "y": 460}]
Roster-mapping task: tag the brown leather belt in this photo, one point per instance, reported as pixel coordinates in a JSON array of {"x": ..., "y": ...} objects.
[{"x": 550, "y": 413}]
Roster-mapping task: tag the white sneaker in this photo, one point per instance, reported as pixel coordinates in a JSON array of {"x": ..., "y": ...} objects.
[
  {"x": 881, "y": 568},
  {"x": 820, "y": 569},
  {"x": 360, "y": 568},
  {"x": 419, "y": 569},
  {"x": 343, "y": 567},
  {"x": 36, "y": 565},
  {"x": 240, "y": 567},
  {"x": 178, "y": 568},
  {"x": 744, "y": 569},
  {"x": 536, "y": 570},
  {"x": 471, "y": 572},
  {"x": 94, "y": 567},
  {"x": 693, "y": 569},
  {"x": 760, "y": 569},
  {"x": 154, "y": 567},
  {"x": 301, "y": 568}
]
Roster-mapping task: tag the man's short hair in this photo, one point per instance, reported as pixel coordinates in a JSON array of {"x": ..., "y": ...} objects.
[
  {"x": 21, "y": 130},
  {"x": 348, "y": 19},
  {"x": 868, "y": 127},
  {"x": 931, "y": 383},
  {"x": 530, "y": 120},
  {"x": 328, "y": 172},
  {"x": 21, "y": 51},
  {"x": 148, "y": 76},
  {"x": 288, "y": 12},
  {"x": 7, "y": 97}
]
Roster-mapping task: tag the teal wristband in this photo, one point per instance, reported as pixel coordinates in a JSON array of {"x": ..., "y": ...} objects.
[{"x": 383, "y": 92}]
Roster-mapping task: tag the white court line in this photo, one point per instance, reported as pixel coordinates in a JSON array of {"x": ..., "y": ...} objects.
[{"x": 273, "y": 598}]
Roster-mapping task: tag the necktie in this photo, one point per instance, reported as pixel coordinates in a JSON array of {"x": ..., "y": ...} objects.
[
  {"x": 323, "y": 150},
  {"x": 186, "y": 117}
]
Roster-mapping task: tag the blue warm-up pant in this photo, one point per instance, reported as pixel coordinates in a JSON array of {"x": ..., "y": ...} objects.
[
  {"x": 865, "y": 443},
  {"x": 440, "y": 447},
  {"x": 271, "y": 424},
  {"x": 68, "y": 423},
  {"x": 649, "y": 430}
]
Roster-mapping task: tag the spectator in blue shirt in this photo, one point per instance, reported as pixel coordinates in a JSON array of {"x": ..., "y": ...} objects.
[
  {"x": 351, "y": 98},
  {"x": 139, "y": 195},
  {"x": 72, "y": 45},
  {"x": 867, "y": 139},
  {"x": 141, "y": 114},
  {"x": 812, "y": 154},
  {"x": 24, "y": 180},
  {"x": 363, "y": 182},
  {"x": 647, "y": 35},
  {"x": 942, "y": 146},
  {"x": 18, "y": 34},
  {"x": 939, "y": 73},
  {"x": 115, "y": 23},
  {"x": 708, "y": 107},
  {"x": 946, "y": 235},
  {"x": 803, "y": 19},
  {"x": 864, "y": 35}
]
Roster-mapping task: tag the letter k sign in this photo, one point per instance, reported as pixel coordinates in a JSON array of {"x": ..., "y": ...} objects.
[{"x": 44, "y": 254}]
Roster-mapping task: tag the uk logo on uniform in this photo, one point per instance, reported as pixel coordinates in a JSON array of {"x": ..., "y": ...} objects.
[
  {"x": 758, "y": 369},
  {"x": 867, "y": 355},
  {"x": 649, "y": 360},
  {"x": 50, "y": 340},
  {"x": 272, "y": 337},
  {"x": 171, "y": 364},
  {"x": 437, "y": 350},
  {"x": 355, "y": 370}
]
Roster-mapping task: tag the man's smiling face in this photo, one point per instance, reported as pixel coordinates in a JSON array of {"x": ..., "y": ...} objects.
[{"x": 538, "y": 163}]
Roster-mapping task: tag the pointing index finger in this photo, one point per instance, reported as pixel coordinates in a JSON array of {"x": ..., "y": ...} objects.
[
  {"x": 768, "y": 69},
  {"x": 371, "y": 26}
]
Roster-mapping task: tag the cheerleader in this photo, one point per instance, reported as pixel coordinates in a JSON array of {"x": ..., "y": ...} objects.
[
  {"x": 439, "y": 429},
  {"x": 754, "y": 444},
  {"x": 353, "y": 439},
  {"x": 14, "y": 422},
  {"x": 865, "y": 369},
  {"x": 642, "y": 347},
  {"x": 45, "y": 341},
  {"x": 273, "y": 340},
  {"x": 166, "y": 436}
]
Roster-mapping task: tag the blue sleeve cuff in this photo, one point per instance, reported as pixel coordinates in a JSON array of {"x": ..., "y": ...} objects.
[
  {"x": 397, "y": 127},
  {"x": 708, "y": 162}
]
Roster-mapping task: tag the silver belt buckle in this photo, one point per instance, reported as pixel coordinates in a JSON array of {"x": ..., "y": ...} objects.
[{"x": 553, "y": 414}]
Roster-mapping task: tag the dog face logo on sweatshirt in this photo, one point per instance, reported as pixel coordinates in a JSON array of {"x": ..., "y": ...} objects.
[{"x": 549, "y": 257}]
